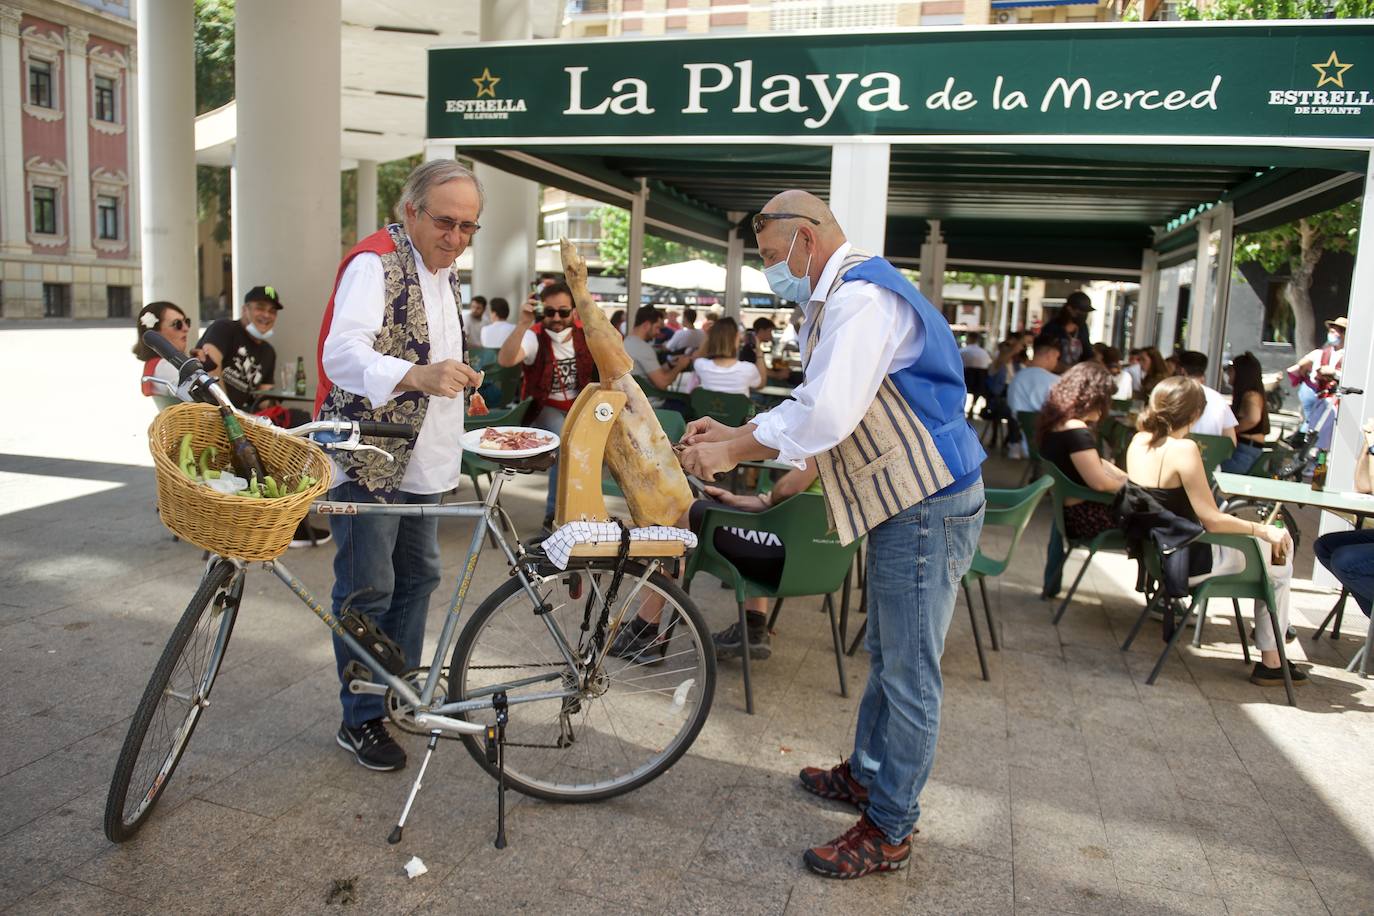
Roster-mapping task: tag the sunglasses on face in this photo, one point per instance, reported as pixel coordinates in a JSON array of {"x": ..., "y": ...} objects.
[
  {"x": 763, "y": 219},
  {"x": 179, "y": 324},
  {"x": 448, "y": 223},
  {"x": 561, "y": 313}
]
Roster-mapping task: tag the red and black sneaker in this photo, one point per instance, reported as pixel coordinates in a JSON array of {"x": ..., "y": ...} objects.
[
  {"x": 837, "y": 783},
  {"x": 860, "y": 850}
]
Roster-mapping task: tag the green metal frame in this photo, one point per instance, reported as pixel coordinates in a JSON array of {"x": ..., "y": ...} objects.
[{"x": 1111, "y": 539}]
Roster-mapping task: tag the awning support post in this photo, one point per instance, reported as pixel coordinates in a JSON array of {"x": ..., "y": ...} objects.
[
  {"x": 734, "y": 266},
  {"x": 1224, "y": 222},
  {"x": 858, "y": 192},
  {"x": 636, "y": 256},
  {"x": 1199, "y": 307},
  {"x": 933, "y": 254},
  {"x": 1147, "y": 301}
]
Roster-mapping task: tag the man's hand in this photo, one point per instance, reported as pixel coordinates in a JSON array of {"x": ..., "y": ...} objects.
[
  {"x": 705, "y": 429},
  {"x": 708, "y": 459},
  {"x": 742, "y": 501},
  {"x": 445, "y": 379},
  {"x": 527, "y": 313}
]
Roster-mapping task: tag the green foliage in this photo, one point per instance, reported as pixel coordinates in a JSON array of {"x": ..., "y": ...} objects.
[
  {"x": 391, "y": 178},
  {"x": 1275, "y": 9},
  {"x": 214, "y": 40},
  {"x": 615, "y": 244},
  {"x": 1279, "y": 249}
]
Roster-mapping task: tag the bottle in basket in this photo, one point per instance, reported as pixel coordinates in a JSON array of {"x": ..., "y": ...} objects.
[
  {"x": 1319, "y": 474},
  {"x": 242, "y": 452}
]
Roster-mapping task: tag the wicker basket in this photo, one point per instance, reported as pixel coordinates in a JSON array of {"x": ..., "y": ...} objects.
[{"x": 231, "y": 526}]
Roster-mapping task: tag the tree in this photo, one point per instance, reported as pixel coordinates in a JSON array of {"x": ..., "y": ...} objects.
[
  {"x": 1293, "y": 251},
  {"x": 615, "y": 244},
  {"x": 1276, "y": 9},
  {"x": 214, "y": 44}
]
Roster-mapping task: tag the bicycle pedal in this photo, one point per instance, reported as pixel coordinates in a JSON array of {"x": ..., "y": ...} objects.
[
  {"x": 356, "y": 671},
  {"x": 381, "y": 646}
]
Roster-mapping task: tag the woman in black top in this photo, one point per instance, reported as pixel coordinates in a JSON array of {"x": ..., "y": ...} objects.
[
  {"x": 1252, "y": 413},
  {"x": 1162, "y": 459},
  {"x": 1081, "y": 398}
]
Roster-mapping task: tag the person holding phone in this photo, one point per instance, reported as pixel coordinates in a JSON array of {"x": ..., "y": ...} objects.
[{"x": 557, "y": 364}]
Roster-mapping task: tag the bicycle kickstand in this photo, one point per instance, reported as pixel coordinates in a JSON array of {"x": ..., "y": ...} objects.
[
  {"x": 395, "y": 836},
  {"x": 496, "y": 753}
]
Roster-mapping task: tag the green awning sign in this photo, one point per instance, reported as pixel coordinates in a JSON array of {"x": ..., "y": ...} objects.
[{"x": 1300, "y": 80}]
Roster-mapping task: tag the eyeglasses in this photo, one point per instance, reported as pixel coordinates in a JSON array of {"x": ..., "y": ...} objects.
[
  {"x": 448, "y": 223},
  {"x": 561, "y": 313},
  {"x": 762, "y": 219},
  {"x": 179, "y": 324}
]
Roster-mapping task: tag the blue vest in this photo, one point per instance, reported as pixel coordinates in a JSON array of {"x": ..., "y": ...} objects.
[{"x": 933, "y": 386}]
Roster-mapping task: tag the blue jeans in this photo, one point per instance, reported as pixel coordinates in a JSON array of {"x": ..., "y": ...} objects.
[
  {"x": 915, "y": 562},
  {"x": 552, "y": 419},
  {"x": 1242, "y": 459},
  {"x": 397, "y": 559},
  {"x": 1307, "y": 401},
  {"x": 1350, "y": 557}
]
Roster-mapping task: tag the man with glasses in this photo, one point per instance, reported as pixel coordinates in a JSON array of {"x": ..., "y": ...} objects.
[
  {"x": 391, "y": 347},
  {"x": 557, "y": 364},
  {"x": 881, "y": 408}
]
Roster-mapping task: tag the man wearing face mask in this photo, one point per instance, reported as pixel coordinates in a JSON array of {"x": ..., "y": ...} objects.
[
  {"x": 1318, "y": 373},
  {"x": 557, "y": 363},
  {"x": 881, "y": 408},
  {"x": 245, "y": 359}
]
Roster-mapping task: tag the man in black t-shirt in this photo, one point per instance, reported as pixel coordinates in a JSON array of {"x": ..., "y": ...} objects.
[{"x": 247, "y": 361}]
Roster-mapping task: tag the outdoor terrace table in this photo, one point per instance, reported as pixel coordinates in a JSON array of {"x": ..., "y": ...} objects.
[
  {"x": 1360, "y": 505},
  {"x": 281, "y": 394}
]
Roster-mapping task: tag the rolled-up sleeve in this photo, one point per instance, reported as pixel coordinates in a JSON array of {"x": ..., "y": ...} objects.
[
  {"x": 350, "y": 360},
  {"x": 864, "y": 327}
]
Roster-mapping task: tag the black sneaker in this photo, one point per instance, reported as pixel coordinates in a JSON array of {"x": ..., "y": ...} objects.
[
  {"x": 1265, "y": 676},
  {"x": 638, "y": 641},
  {"x": 727, "y": 640},
  {"x": 372, "y": 745}
]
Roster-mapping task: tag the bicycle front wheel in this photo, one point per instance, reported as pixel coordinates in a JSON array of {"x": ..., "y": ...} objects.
[
  {"x": 177, "y": 694},
  {"x": 626, "y": 722}
]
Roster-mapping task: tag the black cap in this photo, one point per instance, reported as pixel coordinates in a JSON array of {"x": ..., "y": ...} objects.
[
  {"x": 263, "y": 294},
  {"x": 1080, "y": 301}
]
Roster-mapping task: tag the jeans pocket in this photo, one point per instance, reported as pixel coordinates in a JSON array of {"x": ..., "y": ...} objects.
[{"x": 961, "y": 541}]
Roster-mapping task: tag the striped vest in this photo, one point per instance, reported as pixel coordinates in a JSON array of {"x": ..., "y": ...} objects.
[{"x": 914, "y": 440}]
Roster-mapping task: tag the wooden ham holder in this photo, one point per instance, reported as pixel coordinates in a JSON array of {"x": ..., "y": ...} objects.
[{"x": 582, "y": 453}]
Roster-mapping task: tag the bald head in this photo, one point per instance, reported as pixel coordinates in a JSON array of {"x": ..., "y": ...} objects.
[{"x": 807, "y": 236}]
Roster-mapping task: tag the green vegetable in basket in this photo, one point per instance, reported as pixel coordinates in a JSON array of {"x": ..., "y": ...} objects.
[
  {"x": 254, "y": 489},
  {"x": 270, "y": 488},
  {"x": 305, "y": 483},
  {"x": 187, "y": 458},
  {"x": 209, "y": 454}
]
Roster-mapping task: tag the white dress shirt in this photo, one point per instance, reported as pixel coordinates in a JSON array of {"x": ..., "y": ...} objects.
[
  {"x": 1217, "y": 416},
  {"x": 495, "y": 334},
  {"x": 868, "y": 334},
  {"x": 351, "y": 363}
]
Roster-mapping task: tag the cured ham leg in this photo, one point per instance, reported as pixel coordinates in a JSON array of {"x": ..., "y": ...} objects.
[{"x": 638, "y": 453}]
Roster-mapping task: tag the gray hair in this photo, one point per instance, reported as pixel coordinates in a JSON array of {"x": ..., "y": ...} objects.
[{"x": 429, "y": 175}]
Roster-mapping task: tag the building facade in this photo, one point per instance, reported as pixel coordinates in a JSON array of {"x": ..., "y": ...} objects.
[{"x": 69, "y": 171}]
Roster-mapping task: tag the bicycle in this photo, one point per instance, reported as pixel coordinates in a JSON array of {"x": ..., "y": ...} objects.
[{"x": 529, "y": 686}]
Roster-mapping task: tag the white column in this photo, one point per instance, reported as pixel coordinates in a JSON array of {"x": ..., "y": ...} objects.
[
  {"x": 434, "y": 150},
  {"x": 1200, "y": 306},
  {"x": 503, "y": 253},
  {"x": 167, "y": 149},
  {"x": 636, "y": 255},
  {"x": 131, "y": 138},
  {"x": 78, "y": 143},
  {"x": 287, "y": 156},
  {"x": 734, "y": 265},
  {"x": 1019, "y": 319},
  {"x": 858, "y": 192},
  {"x": 1359, "y": 354},
  {"x": 1005, "y": 327},
  {"x": 933, "y": 254},
  {"x": 367, "y": 197},
  {"x": 1147, "y": 301},
  {"x": 1224, "y": 223},
  {"x": 13, "y": 205},
  {"x": 235, "y": 294}
]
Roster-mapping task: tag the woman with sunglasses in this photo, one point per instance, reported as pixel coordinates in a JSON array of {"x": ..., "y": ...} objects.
[{"x": 171, "y": 322}]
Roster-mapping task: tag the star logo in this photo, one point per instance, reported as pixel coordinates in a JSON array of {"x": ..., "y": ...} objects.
[
  {"x": 486, "y": 83},
  {"x": 1325, "y": 70}
]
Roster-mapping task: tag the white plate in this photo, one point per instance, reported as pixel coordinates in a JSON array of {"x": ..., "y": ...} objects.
[{"x": 472, "y": 438}]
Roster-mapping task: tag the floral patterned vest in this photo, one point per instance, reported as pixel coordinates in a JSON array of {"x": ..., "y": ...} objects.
[{"x": 404, "y": 334}]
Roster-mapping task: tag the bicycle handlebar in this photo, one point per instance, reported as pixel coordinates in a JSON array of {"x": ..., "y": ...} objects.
[{"x": 386, "y": 430}]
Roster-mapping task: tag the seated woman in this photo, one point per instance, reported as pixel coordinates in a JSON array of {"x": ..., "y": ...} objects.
[
  {"x": 171, "y": 322},
  {"x": 760, "y": 557},
  {"x": 1164, "y": 461},
  {"x": 1252, "y": 413},
  {"x": 1081, "y": 398},
  {"x": 1350, "y": 554},
  {"x": 718, "y": 367}
]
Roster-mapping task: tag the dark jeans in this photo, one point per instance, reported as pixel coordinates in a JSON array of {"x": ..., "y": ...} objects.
[
  {"x": 396, "y": 559},
  {"x": 1350, "y": 557}
]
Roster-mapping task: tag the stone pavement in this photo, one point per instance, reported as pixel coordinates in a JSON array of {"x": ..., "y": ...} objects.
[{"x": 1064, "y": 785}]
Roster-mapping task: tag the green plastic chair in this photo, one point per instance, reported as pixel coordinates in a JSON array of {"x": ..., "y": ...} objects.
[
  {"x": 1027, "y": 421},
  {"x": 815, "y": 563},
  {"x": 1117, "y": 436},
  {"x": 729, "y": 409},
  {"x": 1251, "y": 582},
  {"x": 1008, "y": 509},
  {"x": 1122, "y": 405},
  {"x": 674, "y": 427},
  {"x": 483, "y": 357},
  {"x": 506, "y": 380},
  {"x": 653, "y": 390},
  {"x": 1215, "y": 450},
  {"x": 1111, "y": 539}
]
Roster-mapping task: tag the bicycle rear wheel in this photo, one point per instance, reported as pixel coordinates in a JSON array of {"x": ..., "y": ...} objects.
[
  {"x": 171, "y": 707},
  {"x": 629, "y": 721}
]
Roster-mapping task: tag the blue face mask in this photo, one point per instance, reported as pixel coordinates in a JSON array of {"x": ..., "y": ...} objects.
[
  {"x": 784, "y": 284},
  {"x": 1333, "y": 339},
  {"x": 253, "y": 331}
]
